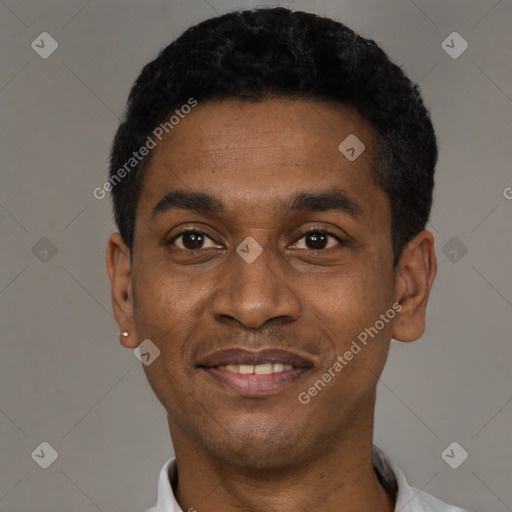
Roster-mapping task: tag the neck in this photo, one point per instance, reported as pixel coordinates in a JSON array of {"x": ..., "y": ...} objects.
[{"x": 340, "y": 478}]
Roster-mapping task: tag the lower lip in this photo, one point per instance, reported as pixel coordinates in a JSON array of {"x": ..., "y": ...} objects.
[{"x": 254, "y": 385}]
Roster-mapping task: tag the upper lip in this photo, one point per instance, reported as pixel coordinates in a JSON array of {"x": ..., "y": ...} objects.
[{"x": 244, "y": 356}]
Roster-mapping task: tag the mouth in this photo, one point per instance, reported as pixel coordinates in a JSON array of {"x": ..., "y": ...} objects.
[{"x": 255, "y": 374}]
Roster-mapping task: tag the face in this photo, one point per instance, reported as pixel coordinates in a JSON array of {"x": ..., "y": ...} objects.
[{"x": 260, "y": 247}]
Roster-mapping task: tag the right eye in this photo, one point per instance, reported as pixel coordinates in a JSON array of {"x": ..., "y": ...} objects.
[{"x": 191, "y": 240}]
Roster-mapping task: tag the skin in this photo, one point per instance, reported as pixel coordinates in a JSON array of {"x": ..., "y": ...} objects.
[{"x": 271, "y": 453}]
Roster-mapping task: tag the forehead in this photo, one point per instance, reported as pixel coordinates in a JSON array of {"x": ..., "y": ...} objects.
[{"x": 249, "y": 153}]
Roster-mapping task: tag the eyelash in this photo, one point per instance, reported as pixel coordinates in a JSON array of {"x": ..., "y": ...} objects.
[
  {"x": 302, "y": 234},
  {"x": 318, "y": 230}
]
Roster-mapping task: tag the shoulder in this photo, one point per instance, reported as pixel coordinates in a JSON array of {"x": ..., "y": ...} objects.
[
  {"x": 408, "y": 499},
  {"x": 425, "y": 502}
]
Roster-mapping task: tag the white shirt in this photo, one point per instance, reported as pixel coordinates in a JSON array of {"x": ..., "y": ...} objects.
[{"x": 408, "y": 499}]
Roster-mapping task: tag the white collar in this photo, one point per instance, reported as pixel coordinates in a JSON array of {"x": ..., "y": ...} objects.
[{"x": 408, "y": 499}]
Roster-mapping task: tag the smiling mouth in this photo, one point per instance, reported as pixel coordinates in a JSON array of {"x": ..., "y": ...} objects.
[
  {"x": 258, "y": 369},
  {"x": 252, "y": 384},
  {"x": 255, "y": 374}
]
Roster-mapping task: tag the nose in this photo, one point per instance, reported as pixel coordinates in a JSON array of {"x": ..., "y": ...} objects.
[{"x": 253, "y": 293}]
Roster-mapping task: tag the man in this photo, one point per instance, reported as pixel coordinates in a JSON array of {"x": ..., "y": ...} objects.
[{"x": 271, "y": 182}]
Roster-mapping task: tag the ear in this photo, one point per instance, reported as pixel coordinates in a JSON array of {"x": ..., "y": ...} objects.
[
  {"x": 119, "y": 272},
  {"x": 415, "y": 275}
]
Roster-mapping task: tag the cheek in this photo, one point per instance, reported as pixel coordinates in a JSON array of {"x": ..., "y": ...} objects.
[
  {"x": 349, "y": 309},
  {"x": 348, "y": 303},
  {"x": 162, "y": 300},
  {"x": 163, "y": 313}
]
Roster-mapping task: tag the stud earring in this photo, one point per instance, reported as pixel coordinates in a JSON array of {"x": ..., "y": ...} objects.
[{"x": 125, "y": 334}]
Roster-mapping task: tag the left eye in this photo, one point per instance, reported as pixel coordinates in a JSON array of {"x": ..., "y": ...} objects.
[{"x": 318, "y": 240}]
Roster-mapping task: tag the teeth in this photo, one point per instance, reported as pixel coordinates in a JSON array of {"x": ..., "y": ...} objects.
[
  {"x": 263, "y": 369},
  {"x": 259, "y": 369},
  {"x": 246, "y": 368}
]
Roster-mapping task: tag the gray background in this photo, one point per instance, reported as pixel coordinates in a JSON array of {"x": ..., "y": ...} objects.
[{"x": 64, "y": 377}]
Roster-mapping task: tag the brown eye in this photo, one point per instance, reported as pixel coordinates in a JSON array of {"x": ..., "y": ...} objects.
[
  {"x": 317, "y": 240},
  {"x": 191, "y": 240}
]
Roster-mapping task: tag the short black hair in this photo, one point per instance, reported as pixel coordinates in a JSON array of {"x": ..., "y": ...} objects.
[{"x": 266, "y": 53}]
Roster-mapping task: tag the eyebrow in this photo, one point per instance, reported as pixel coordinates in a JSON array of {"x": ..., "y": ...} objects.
[{"x": 333, "y": 199}]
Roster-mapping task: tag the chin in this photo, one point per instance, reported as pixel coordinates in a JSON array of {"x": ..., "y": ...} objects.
[{"x": 260, "y": 449}]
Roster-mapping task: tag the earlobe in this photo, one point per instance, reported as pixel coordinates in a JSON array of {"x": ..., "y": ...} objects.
[
  {"x": 414, "y": 278},
  {"x": 119, "y": 271}
]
